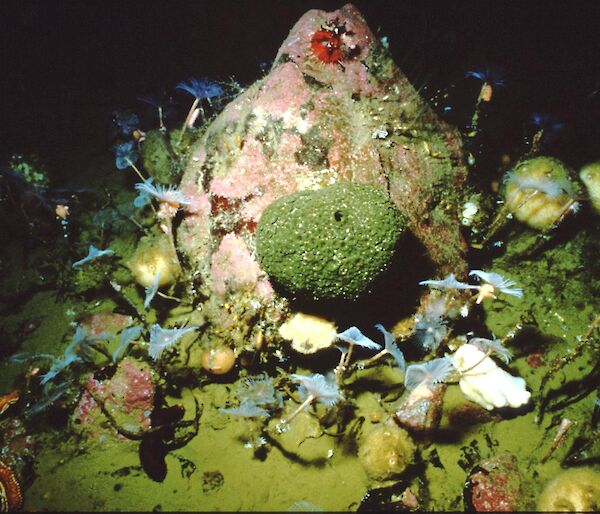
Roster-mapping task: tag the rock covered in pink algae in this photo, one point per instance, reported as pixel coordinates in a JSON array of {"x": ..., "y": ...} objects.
[
  {"x": 494, "y": 485},
  {"x": 312, "y": 122},
  {"x": 419, "y": 411},
  {"x": 105, "y": 321},
  {"x": 128, "y": 396}
]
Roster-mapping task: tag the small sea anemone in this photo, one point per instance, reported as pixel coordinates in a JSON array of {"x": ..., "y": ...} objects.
[
  {"x": 260, "y": 391},
  {"x": 167, "y": 194},
  {"x": 430, "y": 372},
  {"x": 497, "y": 282}
]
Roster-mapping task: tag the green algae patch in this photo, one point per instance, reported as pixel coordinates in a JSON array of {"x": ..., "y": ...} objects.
[{"x": 332, "y": 243}]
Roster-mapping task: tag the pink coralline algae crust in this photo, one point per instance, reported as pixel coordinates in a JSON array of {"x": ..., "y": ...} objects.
[
  {"x": 233, "y": 267},
  {"x": 420, "y": 410},
  {"x": 128, "y": 396},
  {"x": 495, "y": 485},
  {"x": 357, "y": 43},
  {"x": 105, "y": 321},
  {"x": 309, "y": 124}
]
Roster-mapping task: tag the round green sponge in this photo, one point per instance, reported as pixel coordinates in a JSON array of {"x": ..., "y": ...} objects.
[{"x": 331, "y": 243}]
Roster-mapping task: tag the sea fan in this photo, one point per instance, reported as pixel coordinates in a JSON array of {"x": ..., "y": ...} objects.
[
  {"x": 430, "y": 372},
  {"x": 163, "y": 338}
]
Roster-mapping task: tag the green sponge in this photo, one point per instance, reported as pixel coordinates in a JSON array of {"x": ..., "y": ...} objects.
[{"x": 331, "y": 243}]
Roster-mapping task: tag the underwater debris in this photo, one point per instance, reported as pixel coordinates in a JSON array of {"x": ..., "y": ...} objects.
[
  {"x": 492, "y": 346},
  {"x": 163, "y": 338},
  {"x": 430, "y": 372},
  {"x": 93, "y": 253},
  {"x": 563, "y": 429}
]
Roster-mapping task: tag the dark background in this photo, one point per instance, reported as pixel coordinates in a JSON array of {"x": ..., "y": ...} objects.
[{"x": 65, "y": 65}]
